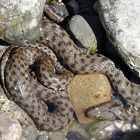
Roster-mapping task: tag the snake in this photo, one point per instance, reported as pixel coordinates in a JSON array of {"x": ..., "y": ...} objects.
[{"x": 36, "y": 77}]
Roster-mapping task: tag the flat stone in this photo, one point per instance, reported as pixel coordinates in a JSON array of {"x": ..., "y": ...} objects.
[
  {"x": 121, "y": 19},
  {"x": 87, "y": 91},
  {"x": 82, "y": 32}
]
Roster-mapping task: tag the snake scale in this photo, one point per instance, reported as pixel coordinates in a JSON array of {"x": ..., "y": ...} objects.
[{"x": 33, "y": 77}]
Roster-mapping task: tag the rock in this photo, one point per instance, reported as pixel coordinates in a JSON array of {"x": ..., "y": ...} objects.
[
  {"x": 103, "y": 129},
  {"x": 10, "y": 128},
  {"x": 82, "y": 32},
  {"x": 41, "y": 137},
  {"x": 28, "y": 128},
  {"x": 118, "y": 129},
  {"x": 86, "y": 91},
  {"x": 121, "y": 21},
  {"x": 20, "y": 20},
  {"x": 56, "y": 11},
  {"x": 2, "y": 50},
  {"x": 92, "y": 18},
  {"x": 74, "y": 135}
]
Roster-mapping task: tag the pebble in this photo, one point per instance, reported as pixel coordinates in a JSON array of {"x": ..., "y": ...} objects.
[
  {"x": 41, "y": 137},
  {"x": 87, "y": 91},
  {"x": 118, "y": 129},
  {"x": 56, "y": 11},
  {"x": 82, "y": 32},
  {"x": 92, "y": 18}
]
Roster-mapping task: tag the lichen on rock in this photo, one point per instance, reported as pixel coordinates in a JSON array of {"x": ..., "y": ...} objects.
[{"x": 20, "y": 20}]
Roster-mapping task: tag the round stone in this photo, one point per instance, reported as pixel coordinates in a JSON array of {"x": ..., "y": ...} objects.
[{"x": 87, "y": 91}]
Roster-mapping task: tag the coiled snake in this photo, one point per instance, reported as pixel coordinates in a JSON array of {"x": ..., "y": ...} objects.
[{"x": 36, "y": 95}]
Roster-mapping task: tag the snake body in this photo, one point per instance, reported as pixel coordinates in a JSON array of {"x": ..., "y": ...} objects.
[{"x": 36, "y": 95}]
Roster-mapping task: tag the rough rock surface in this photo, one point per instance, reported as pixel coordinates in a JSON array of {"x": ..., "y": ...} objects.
[
  {"x": 20, "y": 20},
  {"x": 28, "y": 128},
  {"x": 9, "y": 127},
  {"x": 86, "y": 91},
  {"x": 121, "y": 20},
  {"x": 84, "y": 35}
]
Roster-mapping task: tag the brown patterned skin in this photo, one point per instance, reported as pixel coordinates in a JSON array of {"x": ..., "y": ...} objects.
[
  {"x": 22, "y": 87},
  {"x": 80, "y": 62},
  {"x": 20, "y": 65}
]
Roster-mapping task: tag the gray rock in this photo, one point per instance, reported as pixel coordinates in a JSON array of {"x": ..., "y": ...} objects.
[
  {"x": 2, "y": 49},
  {"x": 20, "y": 20},
  {"x": 41, "y": 137},
  {"x": 10, "y": 128},
  {"x": 87, "y": 12},
  {"x": 121, "y": 20},
  {"x": 82, "y": 32},
  {"x": 28, "y": 128},
  {"x": 111, "y": 130}
]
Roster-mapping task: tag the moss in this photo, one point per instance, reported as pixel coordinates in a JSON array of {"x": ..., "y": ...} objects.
[{"x": 92, "y": 49}]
